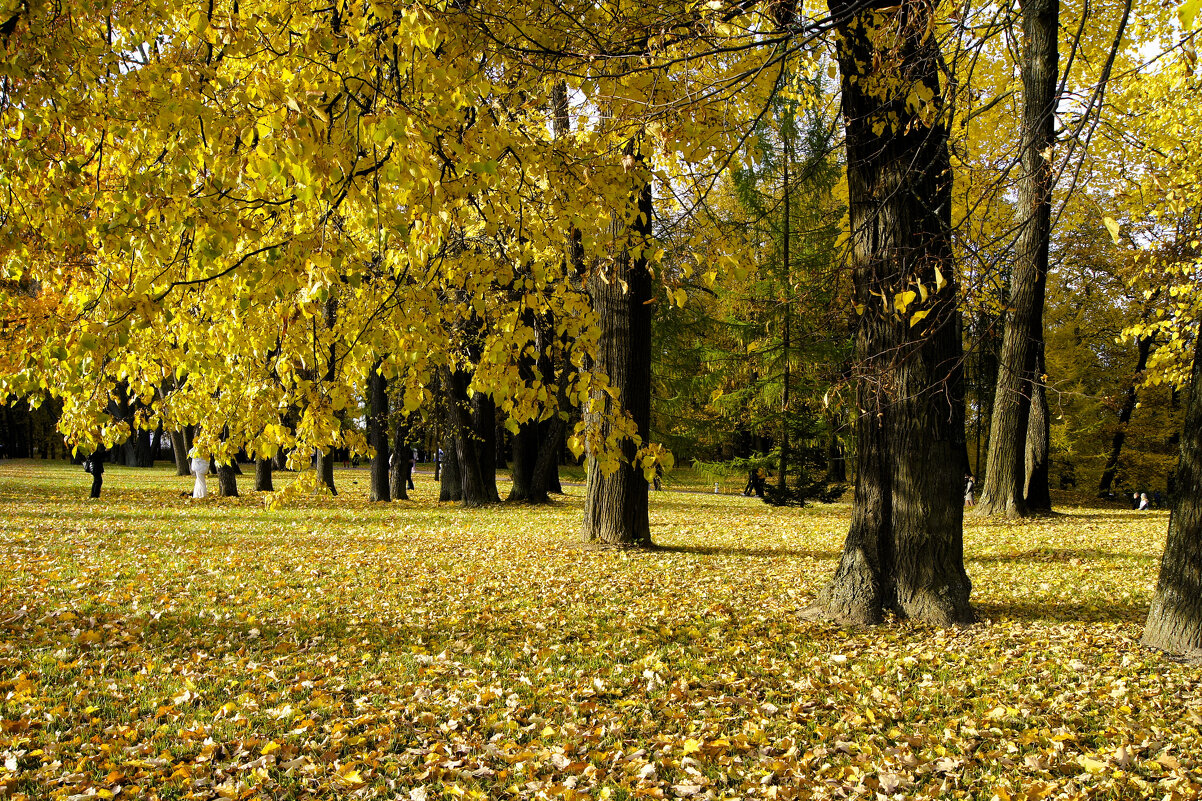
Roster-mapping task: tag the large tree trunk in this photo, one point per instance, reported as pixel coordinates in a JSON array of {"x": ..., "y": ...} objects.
[
  {"x": 227, "y": 481},
  {"x": 1130, "y": 401},
  {"x": 525, "y": 454},
  {"x": 450, "y": 487},
  {"x": 904, "y": 550},
  {"x": 615, "y": 505},
  {"x": 1175, "y": 618},
  {"x": 179, "y": 451},
  {"x": 484, "y": 424},
  {"x": 1004, "y": 489},
  {"x": 465, "y": 443},
  {"x": 377, "y": 434},
  {"x": 263, "y": 482}
]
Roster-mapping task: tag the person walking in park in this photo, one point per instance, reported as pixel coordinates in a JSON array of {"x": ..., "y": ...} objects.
[
  {"x": 200, "y": 468},
  {"x": 94, "y": 464},
  {"x": 969, "y": 484}
]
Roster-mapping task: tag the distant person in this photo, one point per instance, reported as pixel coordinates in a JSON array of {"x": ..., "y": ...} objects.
[
  {"x": 970, "y": 484},
  {"x": 412, "y": 467},
  {"x": 1135, "y": 500},
  {"x": 200, "y": 468},
  {"x": 1143, "y": 502},
  {"x": 1157, "y": 500},
  {"x": 94, "y": 464},
  {"x": 657, "y": 481}
]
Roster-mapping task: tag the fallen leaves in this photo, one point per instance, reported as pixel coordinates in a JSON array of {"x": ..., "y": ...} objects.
[{"x": 422, "y": 652}]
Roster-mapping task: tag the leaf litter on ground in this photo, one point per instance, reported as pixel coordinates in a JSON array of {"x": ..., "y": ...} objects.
[{"x": 156, "y": 647}]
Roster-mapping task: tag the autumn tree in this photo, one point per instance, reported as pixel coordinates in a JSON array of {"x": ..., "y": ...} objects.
[{"x": 904, "y": 551}]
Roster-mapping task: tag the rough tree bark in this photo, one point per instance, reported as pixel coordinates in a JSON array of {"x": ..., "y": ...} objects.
[
  {"x": 615, "y": 505},
  {"x": 377, "y": 434},
  {"x": 484, "y": 427},
  {"x": 904, "y": 550},
  {"x": 1004, "y": 488},
  {"x": 466, "y": 443},
  {"x": 179, "y": 450},
  {"x": 325, "y": 459},
  {"x": 450, "y": 487},
  {"x": 1038, "y": 491},
  {"x": 263, "y": 481},
  {"x": 1175, "y": 618},
  {"x": 227, "y": 481}
]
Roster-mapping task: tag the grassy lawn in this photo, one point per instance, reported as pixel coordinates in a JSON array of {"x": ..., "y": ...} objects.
[{"x": 152, "y": 646}]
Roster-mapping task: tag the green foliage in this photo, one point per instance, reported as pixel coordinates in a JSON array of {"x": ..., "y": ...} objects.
[{"x": 732, "y": 349}]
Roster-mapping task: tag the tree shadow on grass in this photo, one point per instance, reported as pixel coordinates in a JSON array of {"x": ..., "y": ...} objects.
[
  {"x": 752, "y": 553},
  {"x": 1056, "y": 611},
  {"x": 1080, "y": 555}
]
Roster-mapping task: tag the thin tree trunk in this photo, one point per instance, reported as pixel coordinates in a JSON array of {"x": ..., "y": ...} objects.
[
  {"x": 325, "y": 459},
  {"x": 179, "y": 451},
  {"x": 1004, "y": 488},
  {"x": 398, "y": 465},
  {"x": 377, "y": 434},
  {"x": 904, "y": 550},
  {"x": 1130, "y": 401},
  {"x": 1038, "y": 494},
  {"x": 263, "y": 482},
  {"x": 1175, "y": 618},
  {"x": 782, "y": 481},
  {"x": 615, "y": 504}
]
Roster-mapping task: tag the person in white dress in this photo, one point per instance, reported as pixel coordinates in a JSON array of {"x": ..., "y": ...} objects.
[{"x": 200, "y": 468}]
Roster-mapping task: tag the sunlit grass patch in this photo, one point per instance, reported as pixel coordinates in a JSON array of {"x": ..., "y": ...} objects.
[{"x": 338, "y": 648}]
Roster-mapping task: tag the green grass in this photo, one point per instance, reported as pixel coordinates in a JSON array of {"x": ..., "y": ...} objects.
[{"x": 339, "y": 649}]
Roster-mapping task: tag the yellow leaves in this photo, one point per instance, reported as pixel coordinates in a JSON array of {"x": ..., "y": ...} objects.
[
  {"x": 903, "y": 299},
  {"x": 1187, "y": 13},
  {"x": 1112, "y": 227}
]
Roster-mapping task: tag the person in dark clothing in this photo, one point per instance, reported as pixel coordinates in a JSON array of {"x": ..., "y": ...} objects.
[{"x": 95, "y": 466}]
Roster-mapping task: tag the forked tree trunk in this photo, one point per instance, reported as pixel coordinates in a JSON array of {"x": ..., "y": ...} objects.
[
  {"x": 179, "y": 450},
  {"x": 1004, "y": 488},
  {"x": 465, "y": 443},
  {"x": 263, "y": 481},
  {"x": 1175, "y": 618},
  {"x": 904, "y": 550},
  {"x": 615, "y": 505},
  {"x": 377, "y": 434},
  {"x": 545, "y": 478},
  {"x": 227, "y": 481}
]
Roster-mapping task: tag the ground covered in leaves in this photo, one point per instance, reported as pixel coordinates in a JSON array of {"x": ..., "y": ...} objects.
[{"x": 160, "y": 648}]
